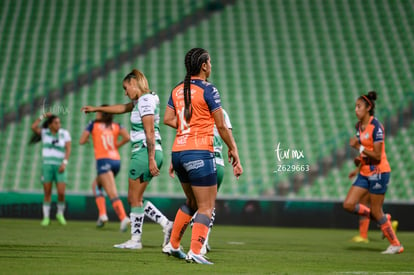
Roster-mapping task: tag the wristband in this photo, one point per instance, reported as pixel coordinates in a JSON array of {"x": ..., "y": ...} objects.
[
  {"x": 42, "y": 116},
  {"x": 361, "y": 148},
  {"x": 65, "y": 161}
]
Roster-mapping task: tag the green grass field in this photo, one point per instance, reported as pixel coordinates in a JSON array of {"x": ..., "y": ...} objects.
[{"x": 80, "y": 248}]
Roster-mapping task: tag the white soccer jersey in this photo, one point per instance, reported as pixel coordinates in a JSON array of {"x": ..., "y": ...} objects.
[
  {"x": 53, "y": 151},
  {"x": 148, "y": 104}
]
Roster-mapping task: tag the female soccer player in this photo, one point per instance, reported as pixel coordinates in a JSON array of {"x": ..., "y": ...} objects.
[
  {"x": 56, "y": 151},
  {"x": 218, "y": 158},
  {"x": 146, "y": 158},
  {"x": 105, "y": 135},
  {"x": 373, "y": 172},
  {"x": 193, "y": 109}
]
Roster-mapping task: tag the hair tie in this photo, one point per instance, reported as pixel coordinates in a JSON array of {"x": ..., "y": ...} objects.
[{"x": 367, "y": 100}]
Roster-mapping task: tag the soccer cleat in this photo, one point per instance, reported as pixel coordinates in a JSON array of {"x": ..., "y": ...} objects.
[
  {"x": 359, "y": 239},
  {"x": 196, "y": 258},
  {"x": 124, "y": 224},
  {"x": 61, "y": 219},
  {"x": 170, "y": 251},
  {"x": 102, "y": 220},
  {"x": 130, "y": 244},
  {"x": 394, "y": 249},
  {"x": 45, "y": 222},
  {"x": 167, "y": 233},
  {"x": 205, "y": 249}
]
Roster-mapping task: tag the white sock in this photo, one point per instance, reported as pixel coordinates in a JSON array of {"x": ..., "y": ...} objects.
[
  {"x": 46, "y": 210},
  {"x": 154, "y": 214},
  {"x": 137, "y": 220},
  {"x": 61, "y": 207}
]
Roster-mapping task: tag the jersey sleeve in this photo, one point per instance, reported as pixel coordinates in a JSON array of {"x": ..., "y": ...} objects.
[
  {"x": 227, "y": 119},
  {"x": 171, "y": 102},
  {"x": 378, "y": 133},
  {"x": 212, "y": 98},
  {"x": 67, "y": 137},
  {"x": 146, "y": 105},
  {"x": 90, "y": 126}
]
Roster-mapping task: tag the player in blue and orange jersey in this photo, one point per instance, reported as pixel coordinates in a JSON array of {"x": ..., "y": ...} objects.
[
  {"x": 105, "y": 135},
  {"x": 193, "y": 109},
  {"x": 373, "y": 171}
]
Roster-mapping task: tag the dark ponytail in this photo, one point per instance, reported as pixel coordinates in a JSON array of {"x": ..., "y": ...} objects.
[
  {"x": 369, "y": 100},
  {"x": 35, "y": 137},
  {"x": 194, "y": 59}
]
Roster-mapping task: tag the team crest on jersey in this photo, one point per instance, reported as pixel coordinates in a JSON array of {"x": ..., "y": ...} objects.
[{"x": 366, "y": 136}]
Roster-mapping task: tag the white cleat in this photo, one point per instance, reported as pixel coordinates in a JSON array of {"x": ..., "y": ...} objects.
[
  {"x": 124, "y": 224},
  {"x": 394, "y": 249},
  {"x": 205, "y": 249},
  {"x": 130, "y": 244},
  {"x": 170, "y": 251},
  {"x": 196, "y": 258},
  {"x": 167, "y": 233},
  {"x": 102, "y": 220}
]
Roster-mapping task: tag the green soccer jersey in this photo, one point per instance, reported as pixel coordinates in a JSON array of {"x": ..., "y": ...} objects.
[
  {"x": 148, "y": 104},
  {"x": 53, "y": 150},
  {"x": 218, "y": 142}
]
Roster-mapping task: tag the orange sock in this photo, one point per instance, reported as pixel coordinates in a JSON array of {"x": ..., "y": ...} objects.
[
  {"x": 180, "y": 225},
  {"x": 389, "y": 233},
  {"x": 119, "y": 208},
  {"x": 362, "y": 210},
  {"x": 363, "y": 227},
  {"x": 198, "y": 237},
  {"x": 100, "y": 203}
]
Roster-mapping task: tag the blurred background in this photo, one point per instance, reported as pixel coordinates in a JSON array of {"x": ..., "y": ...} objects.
[{"x": 288, "y": 72}]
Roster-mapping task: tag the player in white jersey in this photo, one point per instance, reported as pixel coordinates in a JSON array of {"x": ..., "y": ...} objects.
[
  {"x": 146, "y": 157},
  {"x": 56, "y": 150}
]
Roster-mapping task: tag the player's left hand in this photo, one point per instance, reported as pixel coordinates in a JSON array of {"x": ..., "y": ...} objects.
[
  {"x": 171, "y": 171},
  {"x": 62, "y": 168},
  {"x": 154, "y": 168}
]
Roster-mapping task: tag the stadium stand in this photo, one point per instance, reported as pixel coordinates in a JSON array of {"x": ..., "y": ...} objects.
[{"x": 288, "y": 73}]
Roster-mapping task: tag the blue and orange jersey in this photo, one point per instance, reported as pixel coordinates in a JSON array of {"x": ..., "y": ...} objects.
[
  {"x": 374, "y": 132},
  {"x": 198, "y": 134},
  {"x": 104, "y": 139}
]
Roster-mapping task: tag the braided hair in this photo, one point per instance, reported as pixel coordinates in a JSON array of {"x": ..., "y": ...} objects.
[
  {"x": 369, "y": 100},
  {"x": 194, "y": 59}
]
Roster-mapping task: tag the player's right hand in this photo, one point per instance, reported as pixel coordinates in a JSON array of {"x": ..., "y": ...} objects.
[{"x": 88, "y": 109}]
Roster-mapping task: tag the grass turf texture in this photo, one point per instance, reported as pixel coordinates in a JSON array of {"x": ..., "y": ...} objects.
[{"x": 80, "y": 248}]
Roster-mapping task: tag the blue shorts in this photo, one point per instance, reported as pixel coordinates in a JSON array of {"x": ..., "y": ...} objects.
[
  {"x": 106, "y": 165},
  {"x": 197, "y": 167},
  {"x": 376, "y": 184}
]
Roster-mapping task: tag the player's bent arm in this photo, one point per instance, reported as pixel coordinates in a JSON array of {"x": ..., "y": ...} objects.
[
  {"x": 35, "y": 126},
  {"x": 111, "y": 109},
  {"x": 125, "y": 137},
  {"x": 376, "y": 153},
  {"x": 84, "y": 137},
  {"x": 224, "y": 132},
  {"x": 170, "y": 118}
]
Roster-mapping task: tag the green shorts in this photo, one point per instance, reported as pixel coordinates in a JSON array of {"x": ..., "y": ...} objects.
[
  {"x": 138, "y": 166},
  {"x": 50, "y": 173},
  {"x": 220, "y": 175}
]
